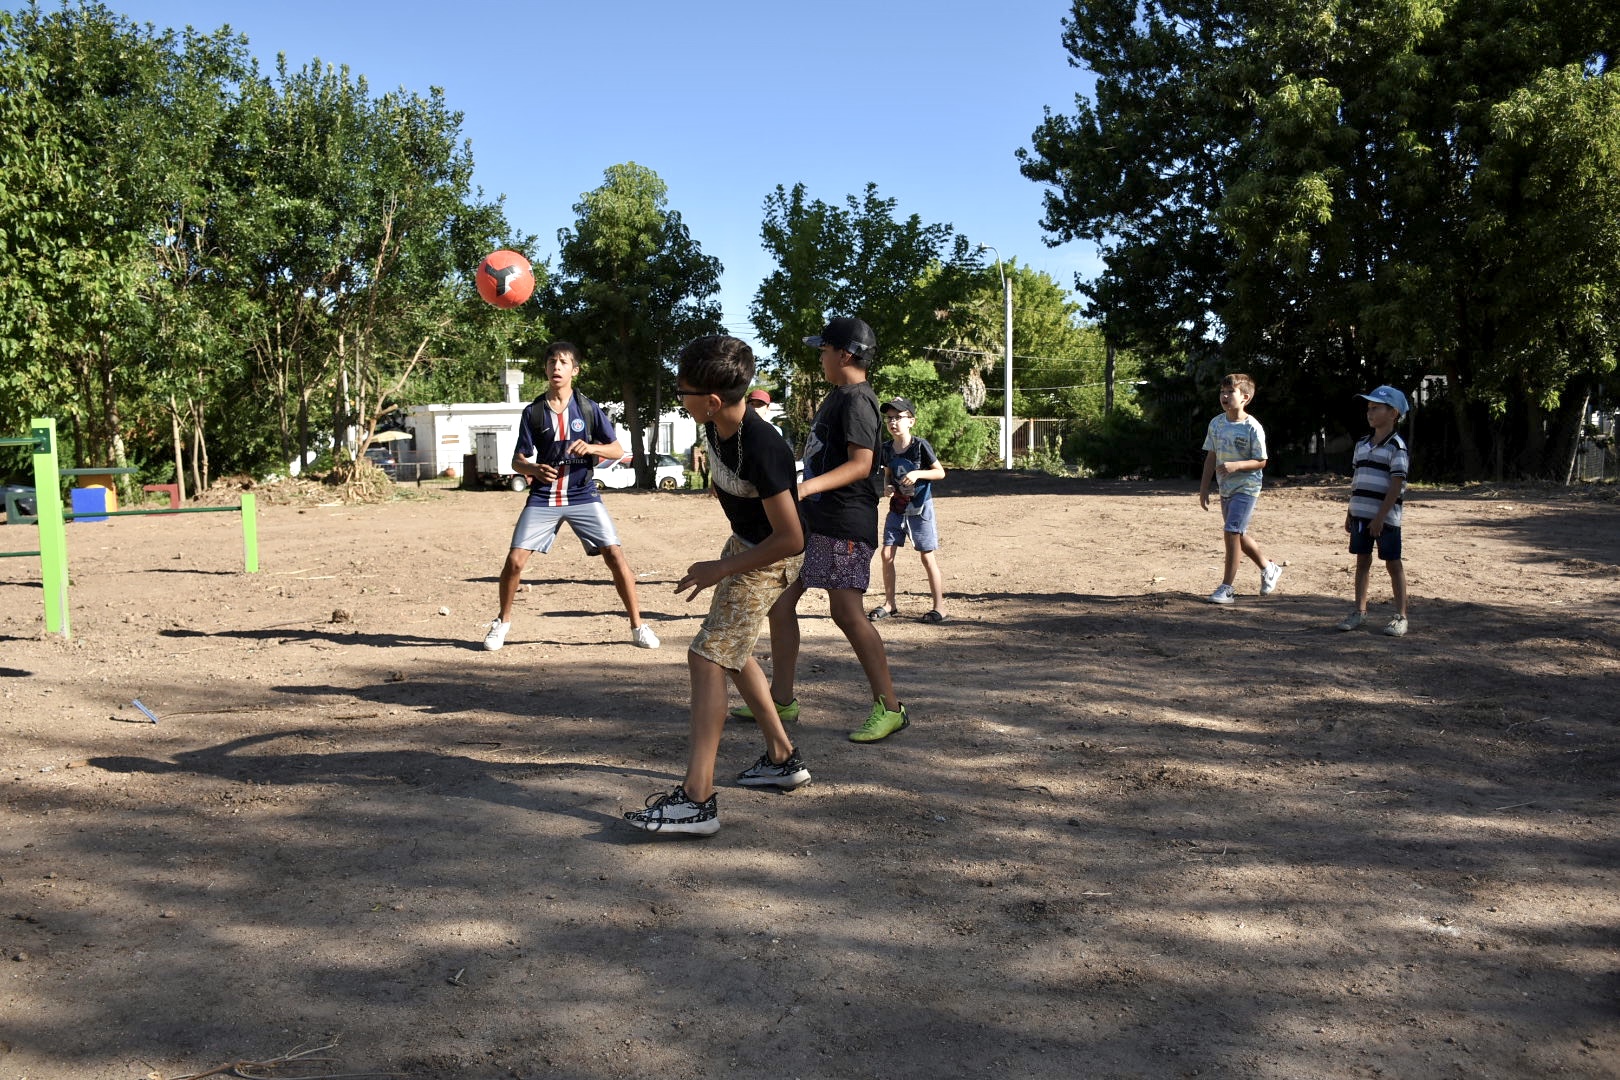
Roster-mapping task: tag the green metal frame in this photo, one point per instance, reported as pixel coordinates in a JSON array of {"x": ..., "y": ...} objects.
[{"x": 51, "y": 521}]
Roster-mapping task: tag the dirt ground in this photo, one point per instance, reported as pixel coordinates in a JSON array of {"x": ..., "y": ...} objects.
[{"x": 1128, "y": 834}]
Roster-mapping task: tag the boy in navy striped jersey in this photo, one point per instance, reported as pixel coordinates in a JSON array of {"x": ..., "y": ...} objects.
[{"x": 1374, "y": 517}]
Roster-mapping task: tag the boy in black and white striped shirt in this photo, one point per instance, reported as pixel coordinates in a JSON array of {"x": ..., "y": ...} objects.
[{"x": 1374, "y": 517}]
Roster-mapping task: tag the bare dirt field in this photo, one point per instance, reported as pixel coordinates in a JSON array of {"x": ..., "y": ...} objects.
[{"x": 1128, "y": 834}]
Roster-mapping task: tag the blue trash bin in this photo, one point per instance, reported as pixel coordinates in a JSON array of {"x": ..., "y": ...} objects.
[{"x": 88, "y": 502}]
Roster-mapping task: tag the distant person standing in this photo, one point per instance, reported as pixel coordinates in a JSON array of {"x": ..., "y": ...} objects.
[
  {"x": 911, "y": 467},
  {"x": 1374, "y": 517},
  {"x": 758, "y": 401},
  {"x": 700, "y": 462},
  {"x": 560, "y": 438}
]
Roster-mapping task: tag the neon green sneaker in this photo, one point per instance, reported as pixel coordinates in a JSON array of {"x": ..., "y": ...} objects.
[
  {"x": 788, "y": 714},
  {"x": 881, "y": 724}
]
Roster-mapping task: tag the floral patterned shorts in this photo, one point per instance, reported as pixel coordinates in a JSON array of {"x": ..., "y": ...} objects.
[{"x": 836, "y": 564}]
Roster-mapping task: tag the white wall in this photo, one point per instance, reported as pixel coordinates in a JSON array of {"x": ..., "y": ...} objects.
[{"x": 444, "y": 433}]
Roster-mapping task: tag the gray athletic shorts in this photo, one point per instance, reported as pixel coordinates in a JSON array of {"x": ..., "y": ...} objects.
[{"x": 537, "y": 527}]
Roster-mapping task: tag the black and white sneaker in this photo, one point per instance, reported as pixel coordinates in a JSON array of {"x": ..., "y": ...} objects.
[
  {"x": 767, "y": 773},
  {"x": 675, "y": 812}
]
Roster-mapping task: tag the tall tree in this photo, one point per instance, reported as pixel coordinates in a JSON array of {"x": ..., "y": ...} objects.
[
  {"x": 1335, "y": 192},
  {"x": 195, "y": 244},
  {"x": 93, "y": 77},
  {"x": 855, "y": 259},
  {"x": 39, "y": 155},
  {"x": 632, "y": 287}
]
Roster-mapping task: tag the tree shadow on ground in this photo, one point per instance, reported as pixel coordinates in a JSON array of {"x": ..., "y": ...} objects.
[{"x": 1121, "y": 838}]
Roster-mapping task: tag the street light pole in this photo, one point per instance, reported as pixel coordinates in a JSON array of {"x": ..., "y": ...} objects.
[{"x": 1007, "y": 415}]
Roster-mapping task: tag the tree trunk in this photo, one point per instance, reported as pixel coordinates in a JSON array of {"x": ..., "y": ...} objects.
[
  {"x": 179, "y": 447},
  {"x": 117, "y": 456},
  {"x": 1533, "y": 459},
  {"x": 199, "y": 448},
  {"x": 199, "y": 459},
  {"x": 1573, "y": 433},
  {"x": 644, "y": 469},
  {"x": 1108, "y": 380},
  {"x": 1473, "y": 463}
]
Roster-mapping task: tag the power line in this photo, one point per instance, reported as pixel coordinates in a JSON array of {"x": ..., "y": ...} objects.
[{"x": 1002, "y": 356}]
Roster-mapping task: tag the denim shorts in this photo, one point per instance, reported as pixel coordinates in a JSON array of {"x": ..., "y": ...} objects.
[
  {"x": 1362, "y": 542},
  {"x": 1238, "y": 510},
  {"x": 836, "y": 564},
  {"x": 921, "y": 528}
]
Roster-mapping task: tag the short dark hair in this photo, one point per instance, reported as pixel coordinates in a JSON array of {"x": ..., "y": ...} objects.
[
  {"x": 718, "y": 364},
  {"x": 559, "y": 347}
]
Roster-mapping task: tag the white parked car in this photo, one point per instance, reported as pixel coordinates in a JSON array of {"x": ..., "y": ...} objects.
[{"x": 667, "y": 471}]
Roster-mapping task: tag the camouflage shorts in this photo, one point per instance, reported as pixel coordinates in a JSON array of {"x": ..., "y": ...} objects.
[{"x": 739, "y": 608}]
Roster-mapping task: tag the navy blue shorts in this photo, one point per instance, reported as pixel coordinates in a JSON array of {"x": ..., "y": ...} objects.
[{"x": 1362, "y": 542}]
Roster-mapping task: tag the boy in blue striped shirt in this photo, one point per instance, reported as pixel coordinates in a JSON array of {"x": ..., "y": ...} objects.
[{"x": 1374, "y": 517}]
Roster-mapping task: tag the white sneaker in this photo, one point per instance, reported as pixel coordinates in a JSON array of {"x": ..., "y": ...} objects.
[
  {"x": 1396, "y": 627},
  {"x": 1223, "y": 594},
  {"x": 497, "y": 634},
  {"x": 642, "y": 637},
  {"x": 677, "y": 812},
  {"x": 1269, "y": 578}
]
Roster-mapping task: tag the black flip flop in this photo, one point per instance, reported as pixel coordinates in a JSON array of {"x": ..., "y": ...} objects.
[
  {"x": 932, "y": 617},
  {"x": 880, "y": 612}
]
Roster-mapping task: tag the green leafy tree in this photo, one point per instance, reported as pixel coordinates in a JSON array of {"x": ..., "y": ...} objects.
[
  {"x": 855, "y": 259},
  {"x": 199, "y": 247},
  {"x": 39, "y": 156},
  {"x": 632, "y": 288},
  {"x": 1340, "y": 195},
  {"x": 88, "y": 224},
  {"x": 958, "y": 327}
]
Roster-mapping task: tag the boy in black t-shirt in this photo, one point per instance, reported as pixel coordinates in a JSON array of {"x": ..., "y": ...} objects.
[
  {"x": 839, "y": 494},
  {"x": 752, "y": 471}
]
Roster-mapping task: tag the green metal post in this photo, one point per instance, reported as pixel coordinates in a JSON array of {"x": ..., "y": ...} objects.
[
  {"x": 250, "y": 531},
  {"x": 53, "y": 562}
]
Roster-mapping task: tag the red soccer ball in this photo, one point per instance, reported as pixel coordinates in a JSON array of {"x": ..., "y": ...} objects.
[{"x": 505, "y": 279}]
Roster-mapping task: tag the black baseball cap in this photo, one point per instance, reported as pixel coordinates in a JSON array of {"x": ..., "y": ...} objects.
[
  {"x": 847, "y": 333},
  {"x": 899, "y": 405}
]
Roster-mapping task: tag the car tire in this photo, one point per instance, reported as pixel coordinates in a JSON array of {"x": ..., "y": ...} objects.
[
  {"x": 667, "y": 484},
  {"x": 599, "y": 485}
]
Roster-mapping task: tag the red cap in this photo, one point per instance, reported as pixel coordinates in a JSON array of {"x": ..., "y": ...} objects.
[{"x": 760, "y": 396}]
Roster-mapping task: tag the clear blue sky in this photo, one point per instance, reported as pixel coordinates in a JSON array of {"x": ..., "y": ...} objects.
[{"x": 724, "y": 99}]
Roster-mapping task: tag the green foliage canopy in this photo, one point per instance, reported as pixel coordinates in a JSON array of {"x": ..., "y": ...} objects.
[
  {"x": 191, "y": 246},
  {"x": 632, "y": 288},
  {"x": 1340, "y": 194}
]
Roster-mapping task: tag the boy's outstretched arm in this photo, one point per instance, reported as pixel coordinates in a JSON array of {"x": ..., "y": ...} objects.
[
  {"x": 787, "y": 538},
  {"x": 1209, "y": 476}
]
